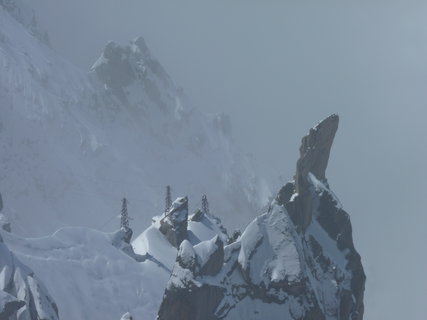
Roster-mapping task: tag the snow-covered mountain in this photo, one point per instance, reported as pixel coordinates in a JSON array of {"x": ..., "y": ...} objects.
[
  {"x": 95, "y": 275},
  {"x": 295, "y": 262},
  {"x": 73, "y": 143}
]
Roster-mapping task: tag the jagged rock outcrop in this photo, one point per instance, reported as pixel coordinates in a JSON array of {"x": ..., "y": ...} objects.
[
  {"x": 121, "y": 67},
  {"x": 314, "y": 155},
  {"x": 22, "y": 296},
  {"x": 175, "y": 222},
  {"x": 160, "y": 243},
  {"x": 295, "y": 262},
  {"x": 9, "y": 305},
  {"x": 197, "y": 301}
]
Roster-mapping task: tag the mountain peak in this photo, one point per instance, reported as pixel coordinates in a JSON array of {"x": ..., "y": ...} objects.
[
  {"x": 314, "y": 156},
  {"x": 315, "y": 149},
  {"x": 296, "y": 261}
]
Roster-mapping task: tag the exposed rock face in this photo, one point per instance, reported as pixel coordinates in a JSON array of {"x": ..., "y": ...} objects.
[
  {"x": 314, "y": 151},
  {"x": 296, "y": 262},
  {"x": 197, "y": 216},
  {"x": 175, "y": 222},
  {"x": 121, "y": 67},
  {"x": 199, "y": 301},
  {"x": 22, "y": 296},
  {"x": 210, "y": 256},
  {"x": 9, "y": 305},
  {"x": 314, "y": 155},
  {"x": 5, "y": 223}
]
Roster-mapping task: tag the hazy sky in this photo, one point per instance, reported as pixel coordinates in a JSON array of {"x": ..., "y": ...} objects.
[{"x": 277, "y": 67}]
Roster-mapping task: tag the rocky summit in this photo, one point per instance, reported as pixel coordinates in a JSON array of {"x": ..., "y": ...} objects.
[{"x": 297, "y": 261}]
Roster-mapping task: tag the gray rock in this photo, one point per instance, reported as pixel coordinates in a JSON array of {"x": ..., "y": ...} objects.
[
  {"x": 283, "y": 259},
  {"x": 9, "y": 305},
  {"x": 197, "y": 303},
  {"x": 22, "y": 295},
  {"x": 314, "y": 156},
  {"x": 175, "y": 222},
  {"x": 214, "y": 261},
  {"x": 122, "y": 66},
  {"x": 197, "y": 216}
]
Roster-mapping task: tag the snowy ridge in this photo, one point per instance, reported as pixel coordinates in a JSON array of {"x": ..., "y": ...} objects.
[
  {"x": 295, "y": 262},
  {"x": 103, "y": 280}
]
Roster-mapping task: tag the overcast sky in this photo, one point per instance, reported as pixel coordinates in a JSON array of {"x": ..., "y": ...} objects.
[{"x": 277, "y": 67}]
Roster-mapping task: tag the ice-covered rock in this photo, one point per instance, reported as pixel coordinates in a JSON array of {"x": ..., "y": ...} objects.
[
  {"x": 282, "y": 266},
  {"x": 22, "y": 295},
  {"x": 161, "y": 241},
  {"x": 105, "y": 275},
  {"x": 174, "y": 224}
]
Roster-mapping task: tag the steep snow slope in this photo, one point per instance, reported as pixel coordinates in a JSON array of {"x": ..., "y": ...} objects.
[
  {"x": 72, "y": 144},
  {"x": 22, "y": 295},
  {"x": 295, "y": 262},
  {"x": 90, "y": 276}
]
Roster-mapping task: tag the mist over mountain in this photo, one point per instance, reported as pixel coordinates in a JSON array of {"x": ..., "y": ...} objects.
[
  {"x": 74, "y": 143},
  {"x": 273, "y": 68}
]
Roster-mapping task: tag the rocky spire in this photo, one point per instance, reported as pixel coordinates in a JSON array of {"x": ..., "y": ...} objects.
[
  {"x": 314, "y": 156},
  {"x": 296, "y": 261},
  {"x": 314, "y": 151}
]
